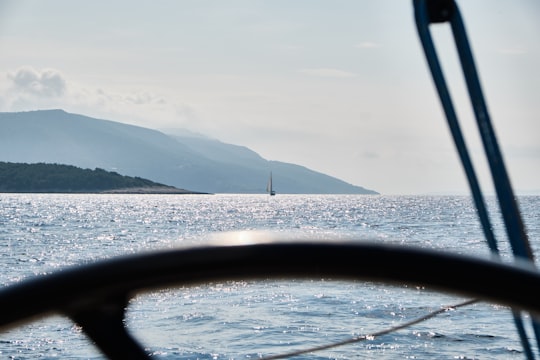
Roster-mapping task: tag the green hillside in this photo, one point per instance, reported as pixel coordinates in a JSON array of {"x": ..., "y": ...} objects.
[{"x": 55, "y": 178}]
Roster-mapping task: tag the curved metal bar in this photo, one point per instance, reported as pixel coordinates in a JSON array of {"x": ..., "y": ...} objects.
[
  {"x": 79, "y": 291},
  {"x": 104, "y": 324}
]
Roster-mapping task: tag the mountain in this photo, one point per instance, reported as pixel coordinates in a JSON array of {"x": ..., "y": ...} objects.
[
  {"x": 185, "y": 161},
  {"x": 57, "y": 178}
]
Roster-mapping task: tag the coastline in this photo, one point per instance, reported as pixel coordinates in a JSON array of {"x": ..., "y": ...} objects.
[
  {"x": 135, "y": 190},
  {"x": 152, "y": 190}
]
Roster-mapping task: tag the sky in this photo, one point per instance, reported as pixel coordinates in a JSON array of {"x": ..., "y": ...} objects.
[{"x": 339, "y": 86}]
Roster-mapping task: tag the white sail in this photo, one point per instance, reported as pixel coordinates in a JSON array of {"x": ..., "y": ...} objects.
[{"x": 269, "y": 187}]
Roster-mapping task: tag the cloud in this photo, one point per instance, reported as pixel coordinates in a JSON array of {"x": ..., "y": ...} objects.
[
  {"x": 133, "y": 106},
  {"x": 29, "y": 89},
  {"x": 327, "y": 72},
  {"x": 369, "y": 155},
  {"x": 135, "y": 97},
  {"x": 144, "y": 98},
  {"x": 44, "y": 83}
]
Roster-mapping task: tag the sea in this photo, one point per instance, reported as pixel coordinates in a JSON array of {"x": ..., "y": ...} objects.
[{"x": 252, "y": 319}]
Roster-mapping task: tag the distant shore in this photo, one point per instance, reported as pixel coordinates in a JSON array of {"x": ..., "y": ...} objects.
[
  {"x": 152, "y": 190},
  {"x": 44, "y": 178}
]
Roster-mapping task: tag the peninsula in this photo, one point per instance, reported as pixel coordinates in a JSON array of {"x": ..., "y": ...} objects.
[{"x": 57, "y": 178}]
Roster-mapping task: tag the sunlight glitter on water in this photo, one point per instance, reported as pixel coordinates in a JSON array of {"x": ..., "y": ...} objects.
[{"x": 42, "y": 233}]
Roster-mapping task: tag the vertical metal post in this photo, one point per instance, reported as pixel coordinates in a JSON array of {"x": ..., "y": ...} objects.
[{"x": 440, "y": 11}]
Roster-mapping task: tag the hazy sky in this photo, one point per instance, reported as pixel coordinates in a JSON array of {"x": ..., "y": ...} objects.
[{"x": 339, "y": 86}]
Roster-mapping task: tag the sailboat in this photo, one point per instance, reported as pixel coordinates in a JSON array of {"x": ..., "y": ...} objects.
[{"x": 269, "y": 188}]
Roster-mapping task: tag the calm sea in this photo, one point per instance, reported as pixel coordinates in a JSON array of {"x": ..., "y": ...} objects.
[{"x": 42, "y": 233}]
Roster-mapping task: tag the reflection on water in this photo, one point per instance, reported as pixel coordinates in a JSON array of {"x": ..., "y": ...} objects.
[{"x": 237, "y": 319}]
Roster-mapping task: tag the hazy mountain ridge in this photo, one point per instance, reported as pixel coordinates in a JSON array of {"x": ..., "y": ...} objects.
[{"x": 189, "y": 162}]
